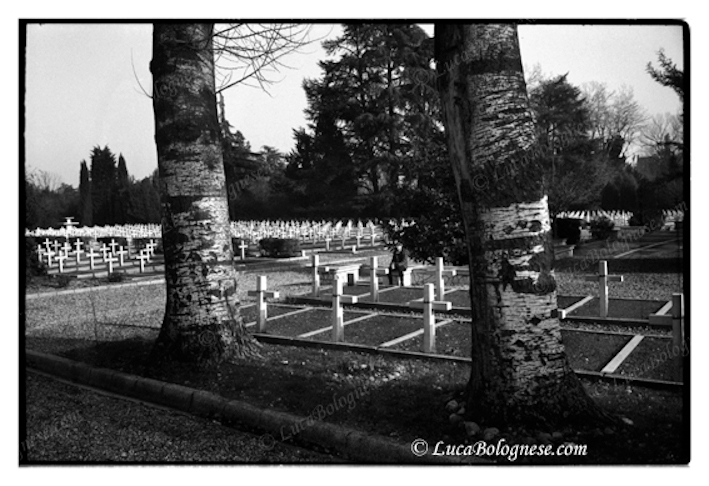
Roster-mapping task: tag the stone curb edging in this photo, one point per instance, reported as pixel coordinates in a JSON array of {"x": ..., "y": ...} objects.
[{"x": 353, "y": 444}]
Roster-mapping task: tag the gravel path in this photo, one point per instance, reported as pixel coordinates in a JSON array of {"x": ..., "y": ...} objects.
[{"x": 66, "y": 423}]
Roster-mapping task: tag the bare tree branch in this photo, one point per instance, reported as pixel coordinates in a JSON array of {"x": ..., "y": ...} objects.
[{"x": 254, "y": 52}]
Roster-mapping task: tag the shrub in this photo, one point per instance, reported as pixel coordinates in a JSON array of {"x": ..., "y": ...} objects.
[
  {"x": 115, "y": 277},
  {"x": 602, "y": 228},
  {"x": 569, "y": 229},
  {"x": 280, "y": 247},
  {"x": 653, "y": 219},
  {"x": 62, "y": 281},
  {"x": 34, "y": 267},
  {"x": 425, "y": 239}
]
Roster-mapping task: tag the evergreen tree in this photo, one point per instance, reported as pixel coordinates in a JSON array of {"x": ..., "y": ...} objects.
[
  {"x": 575, "y": 173},
  {"x": 121, "y": 199},
  {"x": 361, "y": 114},
  {"x": 103, "y": 183},
  {"x": 86, "y": 211}
]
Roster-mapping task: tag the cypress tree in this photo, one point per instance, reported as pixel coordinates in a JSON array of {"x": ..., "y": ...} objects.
[{"x": 86, "y": 216}]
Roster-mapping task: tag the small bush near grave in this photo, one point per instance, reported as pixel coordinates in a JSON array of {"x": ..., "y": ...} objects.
[
  {"x": 602, "y": 228},
  {"x": 61, "y": 281},
  {"x": 115, "y": 277},
  {"x": 34, "y": 267},
  {"x": 568, "y": 229},
  {"x": 280, "y": 247},
  {"x": 425, "y": 239},
  {"x": 652, "y": 219}
]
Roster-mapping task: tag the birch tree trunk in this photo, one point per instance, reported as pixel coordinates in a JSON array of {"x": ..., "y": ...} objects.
[
  {"x": 202, "y": 322},
  {"x": 520, "y": 371}
]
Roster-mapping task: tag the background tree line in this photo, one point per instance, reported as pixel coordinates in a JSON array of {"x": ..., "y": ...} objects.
[
  {"x": 374, "y": 143},
  {"x": 107, "y": 195},
  {"x": 374, "y": 147}
]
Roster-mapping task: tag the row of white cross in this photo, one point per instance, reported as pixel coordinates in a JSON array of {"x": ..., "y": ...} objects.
[
  {"x": 252, "y": 230},
  {"x": 375, "y": 271},
  {"x": 243, "y": 246},
  {"x": 110, "y": 254},
  {"x": 620, "y": 218},
  {"x": 428, "y": 305}
]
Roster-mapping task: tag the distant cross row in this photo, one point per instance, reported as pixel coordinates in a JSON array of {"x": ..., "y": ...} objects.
[{"x": 112, "y": 254}]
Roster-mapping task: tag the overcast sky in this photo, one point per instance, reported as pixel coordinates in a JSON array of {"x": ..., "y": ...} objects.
[{"x": 83, "y": 85}]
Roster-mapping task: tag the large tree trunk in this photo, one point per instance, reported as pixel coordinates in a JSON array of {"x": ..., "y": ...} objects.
[
  {"x": 519, "y": 371},
  {"x": 202, "y": 321}
]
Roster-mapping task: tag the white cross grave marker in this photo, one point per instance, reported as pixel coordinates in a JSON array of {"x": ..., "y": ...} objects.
[
  {"x": 243, "y": 246},
  {"x": 429, "y": 321},
  {"x": 261, "y": 295},
  {"x": 113, "y": 245},
  {"x": 374, "y": 278},
  {"x": 440, "y": 273},
  {"x": 315, "y": 262},
  {"x": 151, "y": 247},
  {"x": 78, "y": 244},
  {"x": 121, "y": 254},
  {"x": 50, "y": 254},
  {"x": 143, "y": 257},
  {"x": 111, "y": 260},
  {"x": 338, "y": 298},
  {"x": 60, "y": 258},
  {"x": 603, "y": 278},
  {"x": 104, "y": 250},
  {"x": 70, "y": 223},
  {"x": 91, "y": 254}
]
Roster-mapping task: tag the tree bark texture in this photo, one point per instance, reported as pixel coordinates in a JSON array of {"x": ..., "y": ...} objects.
[
  {"x": 202, "y": 321},
  {"x": 519, "y": 371}
]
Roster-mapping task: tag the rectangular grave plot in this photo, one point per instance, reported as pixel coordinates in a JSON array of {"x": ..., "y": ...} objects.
[
  {"x": 451, "y": 340},
  {"x": 620, "y": 308},
  {"x": 401, "y": 295},
  {"x": 251, "y": 313},
  {"x": 355, "y": 289},
  {"x": 347, "y": 290},
  {"x": 653, "y": 358},
  {"x": 591, "y": 351},
  {"x": 563, "y": 301},
  {"x": 459, "y": 298},
  {"x": 380, "y": 329},
  {"x": 304, "y": 322}
]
